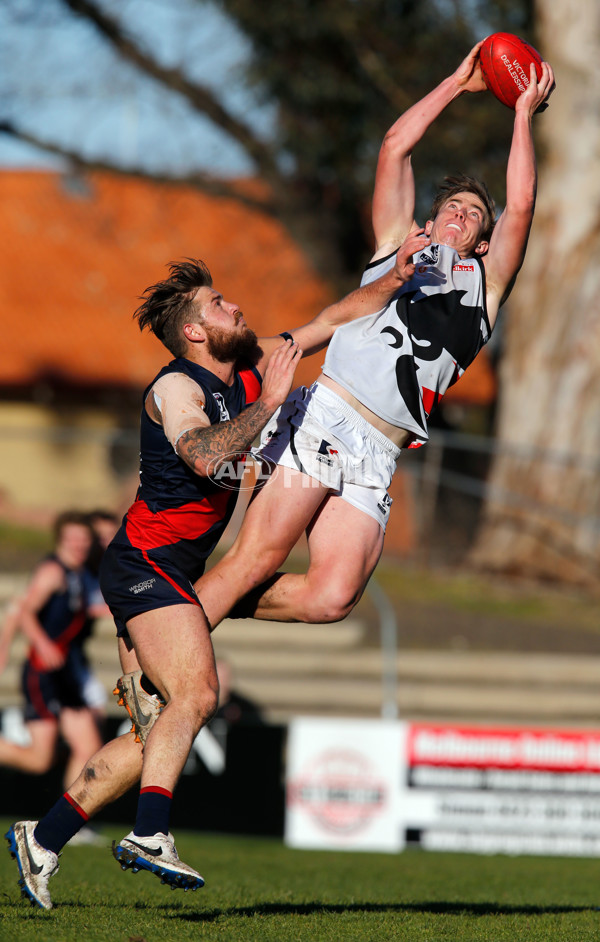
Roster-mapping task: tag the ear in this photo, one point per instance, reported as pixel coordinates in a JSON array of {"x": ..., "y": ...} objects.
[
  {"x": 428, "y": 227},
  {"x": 194, "y": 333},
  {"x": 482, "y": 247}
]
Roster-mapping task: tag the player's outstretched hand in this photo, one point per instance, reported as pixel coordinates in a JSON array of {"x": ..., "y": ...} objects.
[
  {"x": 536, "y": 95},
  {"x": 279, "y": 373},
  {"x": 415, "y": 242},
  {"x": 468, "y": 75}
]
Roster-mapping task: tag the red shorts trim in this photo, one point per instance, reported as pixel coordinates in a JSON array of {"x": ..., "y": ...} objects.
[{"x": 161, "y": 572}]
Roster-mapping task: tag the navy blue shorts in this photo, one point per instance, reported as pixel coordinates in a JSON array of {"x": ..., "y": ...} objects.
[
  {"x": 47, "y": 692},
  {"x": 134, "y": 581}
]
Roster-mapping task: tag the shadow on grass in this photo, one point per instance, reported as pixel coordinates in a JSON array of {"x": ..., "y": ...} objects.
[{"x": 442, "y": 908}]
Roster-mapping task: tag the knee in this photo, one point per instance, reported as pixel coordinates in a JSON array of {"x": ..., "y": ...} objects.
[
  {"x": 203, "y": 704},
  {"x": 329, "y": 604},
  {"x": 209, "y": 703}
]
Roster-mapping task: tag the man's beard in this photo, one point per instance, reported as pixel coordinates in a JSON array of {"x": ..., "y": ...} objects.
[{"x": 228, "y": 346}]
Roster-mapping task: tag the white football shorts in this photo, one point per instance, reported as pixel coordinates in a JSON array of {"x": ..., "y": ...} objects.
[{"x": 317, "y": 432}]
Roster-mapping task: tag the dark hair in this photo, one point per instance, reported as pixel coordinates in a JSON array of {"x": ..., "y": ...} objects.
[
  {"x": 100, "y": 513},
  {"x": 463, "y": 183},
  {"x": 68, "y": 517},
  {"x": 97, "y": 549},
  {"x": 169, "y": 303}
]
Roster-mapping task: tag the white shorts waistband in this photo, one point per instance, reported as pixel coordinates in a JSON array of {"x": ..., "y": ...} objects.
[{"x": 325, "y": 394}]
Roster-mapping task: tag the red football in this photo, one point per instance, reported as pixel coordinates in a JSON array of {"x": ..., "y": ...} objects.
[{"x": 505, "y": 65}]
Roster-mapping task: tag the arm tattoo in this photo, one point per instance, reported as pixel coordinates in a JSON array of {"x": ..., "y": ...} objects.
[{"x": 201, "y": 448}]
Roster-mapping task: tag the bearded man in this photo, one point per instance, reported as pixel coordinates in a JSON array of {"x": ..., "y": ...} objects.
[{"x": 203, "y": 409}]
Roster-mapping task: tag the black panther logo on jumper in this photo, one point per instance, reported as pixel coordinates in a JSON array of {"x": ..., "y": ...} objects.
[{"x": 435, "y": 324}]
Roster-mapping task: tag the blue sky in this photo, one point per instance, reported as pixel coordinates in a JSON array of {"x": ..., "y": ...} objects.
[{"x": 60, "y": 81}]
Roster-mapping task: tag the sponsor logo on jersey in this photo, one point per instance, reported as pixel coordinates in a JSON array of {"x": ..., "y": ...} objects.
[
  {"x": 224, "y": 414},
  {"x": 142, "y": 586},
  {"x": 460, "y": 266},
  {"x": 430, "y": 257},
  {"x": 384, "y": 504},
  {"x": 325, "y": 453}
]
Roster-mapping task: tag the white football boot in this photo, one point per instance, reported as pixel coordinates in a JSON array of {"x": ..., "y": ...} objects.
[
  {"x": 158, "y": 855},
  {"x": 36, "y": 864}
]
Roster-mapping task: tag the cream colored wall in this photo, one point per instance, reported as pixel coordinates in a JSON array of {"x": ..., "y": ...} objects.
[{"x": 40, "y": 468}]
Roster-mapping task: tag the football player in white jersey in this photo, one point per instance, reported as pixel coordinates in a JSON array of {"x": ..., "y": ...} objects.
[{"x": 336, "y": 443}]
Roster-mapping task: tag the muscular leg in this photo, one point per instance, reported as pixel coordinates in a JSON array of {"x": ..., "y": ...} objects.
[
  {"x": 344, "y": 546},
  {"x": 108, "y": 774},
  {"x": 37, "y": 757},
  {"x": 80, "y": 732},
  {"x": 275, "y": 520},
  {"x": 173, "y": 647},
  {"x": 116, "y": 767},
  {"x": 175, "y": 652}
]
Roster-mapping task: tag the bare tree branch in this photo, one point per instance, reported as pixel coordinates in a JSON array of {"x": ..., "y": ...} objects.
[
  {"x": 373, "y": 60},
  {"x": 201, "y": 181},
  {"x": 201, "y": 98}
]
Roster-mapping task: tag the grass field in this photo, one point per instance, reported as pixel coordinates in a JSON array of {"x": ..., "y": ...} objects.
[{"x": 257, "y": 889}]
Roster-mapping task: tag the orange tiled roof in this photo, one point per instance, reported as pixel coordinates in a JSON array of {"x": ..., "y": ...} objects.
[{"x": 75, "y": 259}]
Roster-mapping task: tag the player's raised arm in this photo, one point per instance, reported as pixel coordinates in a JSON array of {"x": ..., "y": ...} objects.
[
  {"x": 368, "y": 299},
  {"x": 509, "y": 239},
  {"x": 394, "y": 195}
]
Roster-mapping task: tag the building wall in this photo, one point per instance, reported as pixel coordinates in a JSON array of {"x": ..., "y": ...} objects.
[{"x": 52, "y": 460}]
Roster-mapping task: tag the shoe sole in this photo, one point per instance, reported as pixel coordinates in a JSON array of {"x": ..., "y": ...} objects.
[
  {"x": 26, "y": 893},
  {"x": 177, "y": 881}
]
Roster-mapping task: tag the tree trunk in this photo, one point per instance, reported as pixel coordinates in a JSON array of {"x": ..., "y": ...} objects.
[{"x": 542, "y": 516}]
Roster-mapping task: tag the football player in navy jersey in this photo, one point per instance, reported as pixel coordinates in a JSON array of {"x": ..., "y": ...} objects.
[
  {"x": 382, "y": 376},
  {"x": 52, "y": 614},
  {"x": 104, "y": 524},
  {"x": 205, "y": 406}
]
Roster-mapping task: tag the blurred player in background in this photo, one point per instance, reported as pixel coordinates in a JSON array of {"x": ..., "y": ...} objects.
[
  {"x": 52, "y": 613},
  {"x": 383, "y": 374},
  {"x": 104, "y": 524}
]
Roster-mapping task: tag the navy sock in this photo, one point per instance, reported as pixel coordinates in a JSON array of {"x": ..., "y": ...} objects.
[
  {"x": 64, "y": 819},
  {"x": 153, "y": 811}
]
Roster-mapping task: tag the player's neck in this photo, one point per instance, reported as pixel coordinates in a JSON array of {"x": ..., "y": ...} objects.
[
  {"x": 67, "y": 560},
  {"x": 225, "y": 371}
]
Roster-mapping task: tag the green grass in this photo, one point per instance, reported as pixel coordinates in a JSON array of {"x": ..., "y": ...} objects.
[
  {"x": 22, "y": 547},
  {"x": 257, "y": 889},
  {"x": 483, "y": 595}
]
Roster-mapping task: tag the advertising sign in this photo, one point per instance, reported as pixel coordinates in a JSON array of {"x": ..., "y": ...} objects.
[
  {"x": 499, "y": 790},
  {"x": 382, "y": 785},
  {"x": 344, "y": 784}
]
